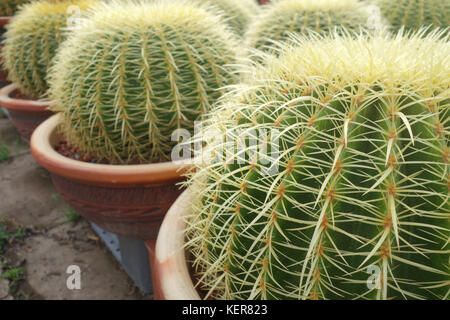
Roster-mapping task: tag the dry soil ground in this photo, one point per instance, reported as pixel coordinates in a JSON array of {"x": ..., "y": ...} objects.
[{"x": 40, "y": 236}]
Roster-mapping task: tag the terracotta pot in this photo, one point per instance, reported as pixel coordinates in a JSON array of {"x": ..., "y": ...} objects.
[
  {"x": 170, "y": 271},
  {"x": 261, "y": 2},
  {"x": 128, "y": 200},
  {"x": 4, "y": 21},
  {"x": 25, "y": 114},
  {"x": 3, "y": 74}
]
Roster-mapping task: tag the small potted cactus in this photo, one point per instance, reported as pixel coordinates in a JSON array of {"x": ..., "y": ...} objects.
[
  {"x": 237, "y": 13},
  {"x": 31, "y": 41},
  {"x": 7, "y": 10},
  {"x": 358, "y": 206},
  {"x": 132, "y": 75},
  {"x": 281, "y": 18},
  {"x": 412, "y": 15}
]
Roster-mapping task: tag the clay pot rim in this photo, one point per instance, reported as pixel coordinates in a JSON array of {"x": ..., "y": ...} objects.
[
  {"x": 171, "y": 266},
  {"x": 20, "y": 104},
  {"x": 45, "y": 137},
  {"x": 4, "y": 20}
]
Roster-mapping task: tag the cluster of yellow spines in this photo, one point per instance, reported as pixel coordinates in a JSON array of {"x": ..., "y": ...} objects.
[{"x": 33, "y": 36}]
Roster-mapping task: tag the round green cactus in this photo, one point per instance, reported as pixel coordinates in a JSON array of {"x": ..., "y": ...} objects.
[
  {"x": 281, "y": 18},
  {"x": 135, "y": 72},
  {"x": 9, "y": 7},
  {"x": 344, "y": 191},
  {"x": 32, "y": 39},
  {"x": 414, "y": 14}
]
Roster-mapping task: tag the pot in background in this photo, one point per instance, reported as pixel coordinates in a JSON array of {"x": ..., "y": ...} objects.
[{"x": 25, "y": 114}]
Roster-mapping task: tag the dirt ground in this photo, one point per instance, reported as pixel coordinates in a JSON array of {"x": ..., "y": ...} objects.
[{"x": 41, "y": 236}]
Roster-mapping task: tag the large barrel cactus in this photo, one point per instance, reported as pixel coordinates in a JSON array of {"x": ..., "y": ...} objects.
[
  {"x": 32, "y": 39},
  {"x": 135, "y": 72},
  {"x": 414, "y": 14},
  {"x": 9, "y": 7},
  {"x": 280, "y": 18},
  {"x": 329, "y": 176}
]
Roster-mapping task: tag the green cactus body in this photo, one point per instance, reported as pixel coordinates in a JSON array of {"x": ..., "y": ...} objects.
[
  {"x": 136, "y": 72},
  {"x": 32, "y": 39},
  {"x": 238, "y": 13},
  {"x": 280, "y": 18},
  {"x": 414, "y": 14},
  {"x": 9, "y": 7},
  {"x": 362, "y": 187}
]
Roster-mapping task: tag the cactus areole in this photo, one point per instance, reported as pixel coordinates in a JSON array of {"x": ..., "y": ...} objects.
[{"x": 359, "y": 205}]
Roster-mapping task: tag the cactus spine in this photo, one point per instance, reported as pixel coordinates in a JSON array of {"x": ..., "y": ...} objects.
[
  {"x": 32, "y": 39},
  {"x": 137, "y": 71},
  {"x": 280, "y": 18},
  {"x": 9, "y": 7},
  {"x": 362, "y": 186},
  {"x": 414, "y": 14}
]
